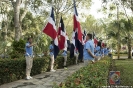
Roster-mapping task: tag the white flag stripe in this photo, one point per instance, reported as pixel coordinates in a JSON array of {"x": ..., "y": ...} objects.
[
  {"x": 56, "y": 41},
  {"x": 52, "y": 22}
]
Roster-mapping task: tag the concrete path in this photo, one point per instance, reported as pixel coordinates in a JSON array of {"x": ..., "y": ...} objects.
[{"x": 44, "y": 80}]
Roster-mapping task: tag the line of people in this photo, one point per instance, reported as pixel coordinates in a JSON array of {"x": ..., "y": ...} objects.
[
  {"x": 90, "y": 54},
  {"x": 64, "y": 54}
]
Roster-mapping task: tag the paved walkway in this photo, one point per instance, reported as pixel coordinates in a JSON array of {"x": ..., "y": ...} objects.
[{"x": 44, "y": 80}]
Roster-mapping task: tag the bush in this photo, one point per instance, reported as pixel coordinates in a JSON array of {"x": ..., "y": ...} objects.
[
  {"x": 122, "y": 52},
  {"x": 60, "y": 61},
  {"x": 18, "y": 49},
  {"x": 92, "y": 76},
  {"x": 14, "y": 69}
]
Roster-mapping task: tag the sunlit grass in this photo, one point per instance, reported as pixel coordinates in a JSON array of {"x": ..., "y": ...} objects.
[{"x": 126, "y": 71}]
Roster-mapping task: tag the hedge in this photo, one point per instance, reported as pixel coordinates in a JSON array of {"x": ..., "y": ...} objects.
[
  {"x": 91, "y": 76},
  {"x": 14, "y": 69}
]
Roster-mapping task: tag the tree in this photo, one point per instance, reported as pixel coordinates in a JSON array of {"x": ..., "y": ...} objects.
[
  {"x": 123, "y": 5},
  {"x": 18, "y": 16}
]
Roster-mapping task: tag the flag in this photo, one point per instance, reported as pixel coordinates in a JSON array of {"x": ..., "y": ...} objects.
[
  {"x": 68, "y": 43},
  {"x": 114, "y": 77},
  {"x": 50, "y": 30},
  {"x": 62, "y": 36},
  {"x": 76, "y": 36},
  {"x": 84, "y": 37},
  {"x": 94, "y": 39}
]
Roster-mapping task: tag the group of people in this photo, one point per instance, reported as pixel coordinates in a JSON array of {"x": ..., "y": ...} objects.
[{"x": 91, "y": 53}]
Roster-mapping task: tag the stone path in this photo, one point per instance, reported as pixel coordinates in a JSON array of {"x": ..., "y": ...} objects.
[{"x": 44, "y": 80}]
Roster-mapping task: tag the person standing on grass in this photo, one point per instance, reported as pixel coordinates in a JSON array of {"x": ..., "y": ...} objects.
[
  {"x": 88, "y": 51},
  {"x": 51, "y": 47},
  {"x": 29, "y": 57},
  {"x": 64, "y": 54}
]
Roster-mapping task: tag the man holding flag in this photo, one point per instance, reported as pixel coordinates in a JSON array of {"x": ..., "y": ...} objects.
[
  {"x": 77, "y": 36},
  {"x": 50, "y": 30},
  {"x": 62, "y": 38}
]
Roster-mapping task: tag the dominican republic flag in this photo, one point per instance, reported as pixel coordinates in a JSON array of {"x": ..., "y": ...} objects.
[
  {"x": 77, "y": 36},
  {"x": 62, "y": 36},
  {"x": 50, "y": 30},
  {"x": 94, "y": 39},
  {"x": 84, "y": 37}
]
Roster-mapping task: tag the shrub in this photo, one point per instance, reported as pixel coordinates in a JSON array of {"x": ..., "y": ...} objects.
[
  {"x": 92, "y": 76},
  {"x": 18, "y": 49},
  {"x": 60, "y": 61},
  {"x": 122, "y": 52},
  {"x": 14, "y": 69}
]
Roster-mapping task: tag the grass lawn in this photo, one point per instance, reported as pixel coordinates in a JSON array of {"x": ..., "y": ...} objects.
[{"x": 126, "y": 71}]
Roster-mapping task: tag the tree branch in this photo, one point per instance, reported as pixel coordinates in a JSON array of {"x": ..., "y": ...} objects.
[{"x": 25, "y": 10}]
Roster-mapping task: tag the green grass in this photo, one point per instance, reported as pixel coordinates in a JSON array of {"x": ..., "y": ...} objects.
[
  {"x": 126, "y": 71},
  {"x": 120, "y": 54}
]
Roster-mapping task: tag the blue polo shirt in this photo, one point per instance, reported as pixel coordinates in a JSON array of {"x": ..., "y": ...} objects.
[
  {"x": 102, "y": 51},
  {"x": 98, "y": 51},
  {"x": 51, "y": 47},
  {"x": 89, "y": 45},
  {"x": 29, "y": 50},
  {"x": 106, "y": 51},
  {"x": 64, "y": 53}
]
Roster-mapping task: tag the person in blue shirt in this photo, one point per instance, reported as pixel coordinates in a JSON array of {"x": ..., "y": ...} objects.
[
  {"x": 106, "y": 51},
  {"x": 64, "y": 54},
  {"x": 102, "y": 51},
  {"x": 29, "y": 57},
  {"x": 97, "y": 50},
  {"x": 51, "y": 48},
  {"x": 88, "y": 51}
]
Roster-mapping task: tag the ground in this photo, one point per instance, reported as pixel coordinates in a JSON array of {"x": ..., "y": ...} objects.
[
  {"x": 44, "y": 80},
  {"x": 47, "y": 79}
]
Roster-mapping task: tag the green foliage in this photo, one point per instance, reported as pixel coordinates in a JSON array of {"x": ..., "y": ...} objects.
[
  {"x": 92, "y": 76},
  {"x": 122, "y": 52},
  {"x": 18, "y": 49},
  {"x": 60, "y": 61},
  {"x": 14, "y": 69}
]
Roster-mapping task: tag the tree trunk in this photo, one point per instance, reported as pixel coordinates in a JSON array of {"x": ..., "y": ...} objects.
[
  {"x": 5, "y": 39},
  {"x": 118, "y": 46},
  {"x": 129, "y": 46},
  {"x": 118, "y": 33},
  {"x": 17, "y": 20}
]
